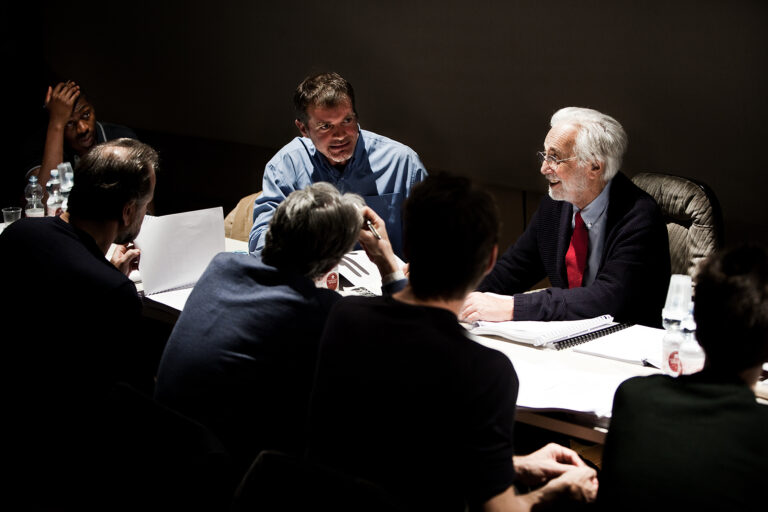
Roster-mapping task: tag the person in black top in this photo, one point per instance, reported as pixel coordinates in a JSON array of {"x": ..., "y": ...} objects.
[
  {"x": 71, "y": 321},
  {"x": 71, "y": 132},
  {"x": 404, "y": 399},
  {"x": 241, "y": 357},
  {"x": 698, "y": 442}
]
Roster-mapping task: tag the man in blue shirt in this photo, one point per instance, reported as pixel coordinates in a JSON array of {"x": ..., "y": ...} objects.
[{"x": 333, "y": 148}]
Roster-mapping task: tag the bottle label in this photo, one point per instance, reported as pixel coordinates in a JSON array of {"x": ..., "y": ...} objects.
[
  {"x": 329, "y": 280},
  {"x": 55, "y": 210},
  {"x": 673, "y": 361},
  {"x": 35, "y": 212}
]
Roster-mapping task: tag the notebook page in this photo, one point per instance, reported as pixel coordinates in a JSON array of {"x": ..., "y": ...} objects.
[
  {"x": 636, "y": 344},
  {"x": 176, "y": 249}
]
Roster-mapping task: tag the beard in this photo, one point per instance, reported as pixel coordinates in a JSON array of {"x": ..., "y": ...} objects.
[
  {"x": 569, "y": 191},
  {"x": 127, "y": 236}
]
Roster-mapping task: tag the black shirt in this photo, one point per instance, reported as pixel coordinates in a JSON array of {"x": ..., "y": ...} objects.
[
  {"x": 404, "y": 399},
  {"x": 698, "y": 442}
]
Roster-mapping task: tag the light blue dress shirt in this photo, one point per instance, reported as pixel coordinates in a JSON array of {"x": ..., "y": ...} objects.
[
  {"x": 595, "y": 218},
  {"x": 381, "y": 170}
]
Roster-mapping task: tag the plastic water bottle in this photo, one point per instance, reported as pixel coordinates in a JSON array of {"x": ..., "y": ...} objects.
[
  {"x": 670, "y": 350},
  {"x": 34, "y": 194},
  {"x": 691, "y": 353},
  {"x": 55, "y": 199},
  {"x": 676, "y": 308},
  {"x": 67, "y": 180},
  {"x": 679, "y": 300}
]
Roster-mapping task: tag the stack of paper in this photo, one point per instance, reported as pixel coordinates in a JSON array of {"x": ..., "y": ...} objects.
[{"x": 550, "y": 382}]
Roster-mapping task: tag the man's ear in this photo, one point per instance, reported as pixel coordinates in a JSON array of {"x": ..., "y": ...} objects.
[
  {"x": 129, "y": 211},
  {"x": 302, "y": 128},
  {"x": 596, "y": 169}
]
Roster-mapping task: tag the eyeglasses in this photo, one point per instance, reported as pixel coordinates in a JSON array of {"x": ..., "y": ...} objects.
[{"x": 551, "y": 160}]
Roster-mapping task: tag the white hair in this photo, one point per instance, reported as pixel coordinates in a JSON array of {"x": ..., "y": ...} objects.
[{"x": 600, "y": 137}]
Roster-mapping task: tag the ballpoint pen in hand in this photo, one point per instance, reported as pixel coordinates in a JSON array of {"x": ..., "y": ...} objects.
[
  {"x": 370, "y": 226},
  {"x": 373, "y": 230}
]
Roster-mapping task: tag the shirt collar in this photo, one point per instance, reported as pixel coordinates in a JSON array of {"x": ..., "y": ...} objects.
[{"x": 594, "y": 210}]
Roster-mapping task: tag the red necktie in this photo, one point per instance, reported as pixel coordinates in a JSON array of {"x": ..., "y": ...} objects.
[{"x": 576, "y": 257}]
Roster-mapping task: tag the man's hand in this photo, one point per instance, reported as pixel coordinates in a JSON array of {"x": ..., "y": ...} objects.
[
  {"x": 126, "y": 259},
  {"x": 546, "y": 463},
  {"x": 577, "y": 484},
  {"x": 379, "y": 251},
  {"x": 60, "y": 101},
  {"x": 487, "y": 306}
]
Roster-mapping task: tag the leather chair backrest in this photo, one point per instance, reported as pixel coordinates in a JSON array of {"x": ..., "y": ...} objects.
[
  {"x": 238, "y": 222},
  {"x": 693, "y": 217}
]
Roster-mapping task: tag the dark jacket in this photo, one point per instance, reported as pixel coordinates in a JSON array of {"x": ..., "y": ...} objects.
[{"x": 631, "y": 281}]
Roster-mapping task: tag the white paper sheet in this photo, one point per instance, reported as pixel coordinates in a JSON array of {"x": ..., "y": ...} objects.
[
  {"x": 359, "y": 270},
  {"x": 549, "y": 383},
  {"x": 636, "y": 344},
  {"x": 176, "y": 249}
]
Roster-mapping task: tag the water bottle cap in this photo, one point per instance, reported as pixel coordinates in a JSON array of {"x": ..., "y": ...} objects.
[{"x": 33, "y": 179}]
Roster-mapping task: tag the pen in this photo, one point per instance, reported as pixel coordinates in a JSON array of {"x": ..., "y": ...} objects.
[{"x": 373, "y": 230}]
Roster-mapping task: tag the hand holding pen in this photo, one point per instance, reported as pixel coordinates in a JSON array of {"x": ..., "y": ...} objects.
[
  {"x": 374, "y": 239},
  {"x": 373, "y": 229}
]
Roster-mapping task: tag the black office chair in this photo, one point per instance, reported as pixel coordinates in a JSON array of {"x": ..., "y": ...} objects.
[
  {"x": 157, "y": 458},
  {"x": 693, "y": 216},
  {"x": 280, "y": 482}
]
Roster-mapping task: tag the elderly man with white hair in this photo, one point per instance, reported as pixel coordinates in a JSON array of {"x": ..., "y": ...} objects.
[{"x": 599, "y": 239}]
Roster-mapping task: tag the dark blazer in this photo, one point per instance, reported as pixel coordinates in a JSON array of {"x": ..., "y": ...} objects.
[{"x": 631, "y": 281}]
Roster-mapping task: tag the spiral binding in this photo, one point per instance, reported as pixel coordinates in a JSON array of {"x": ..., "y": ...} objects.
[{"x": 578, "y": 340}]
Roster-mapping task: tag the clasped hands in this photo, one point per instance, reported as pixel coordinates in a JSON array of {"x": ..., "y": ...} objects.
[{"x": 561, "y": 469}]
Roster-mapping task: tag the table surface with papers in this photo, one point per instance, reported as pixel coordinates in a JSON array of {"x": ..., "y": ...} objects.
[
  {"x": 569, "y": 391},
  {"x": 564, "y": 390}
]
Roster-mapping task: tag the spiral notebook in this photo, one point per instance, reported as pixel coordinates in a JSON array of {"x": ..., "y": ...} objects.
[
  {"x": 636, "y": 344},
  {"x": 555, "y": 334}
]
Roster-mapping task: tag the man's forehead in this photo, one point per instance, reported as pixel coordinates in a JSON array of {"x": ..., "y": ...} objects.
[
  {"x": 561, "y": 136},
  {"x": 330, "y": 111},
  {"x": 81, "y": 106}
]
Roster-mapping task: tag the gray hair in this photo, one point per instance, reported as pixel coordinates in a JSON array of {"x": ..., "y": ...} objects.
[
  {"x": 312, "y": 229},
  {"x": 600, "y": 137},
  {"x": 109, "y": 176}
]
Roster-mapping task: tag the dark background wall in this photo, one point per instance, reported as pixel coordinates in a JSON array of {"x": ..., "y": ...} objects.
[{"x": 469, "y": 85}]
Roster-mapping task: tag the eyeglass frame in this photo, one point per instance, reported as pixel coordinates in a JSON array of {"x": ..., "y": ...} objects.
[{"x": 550, "y": 159}]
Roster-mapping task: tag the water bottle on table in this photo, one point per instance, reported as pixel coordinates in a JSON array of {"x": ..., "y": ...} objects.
[
  {"x": 677, "y": 307},
  {"x": 55, "y": 199},
  {"x": 691, "y": 353},
  {"x": 67, "y": 180},
  {"x": 34, "y": 195}
]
